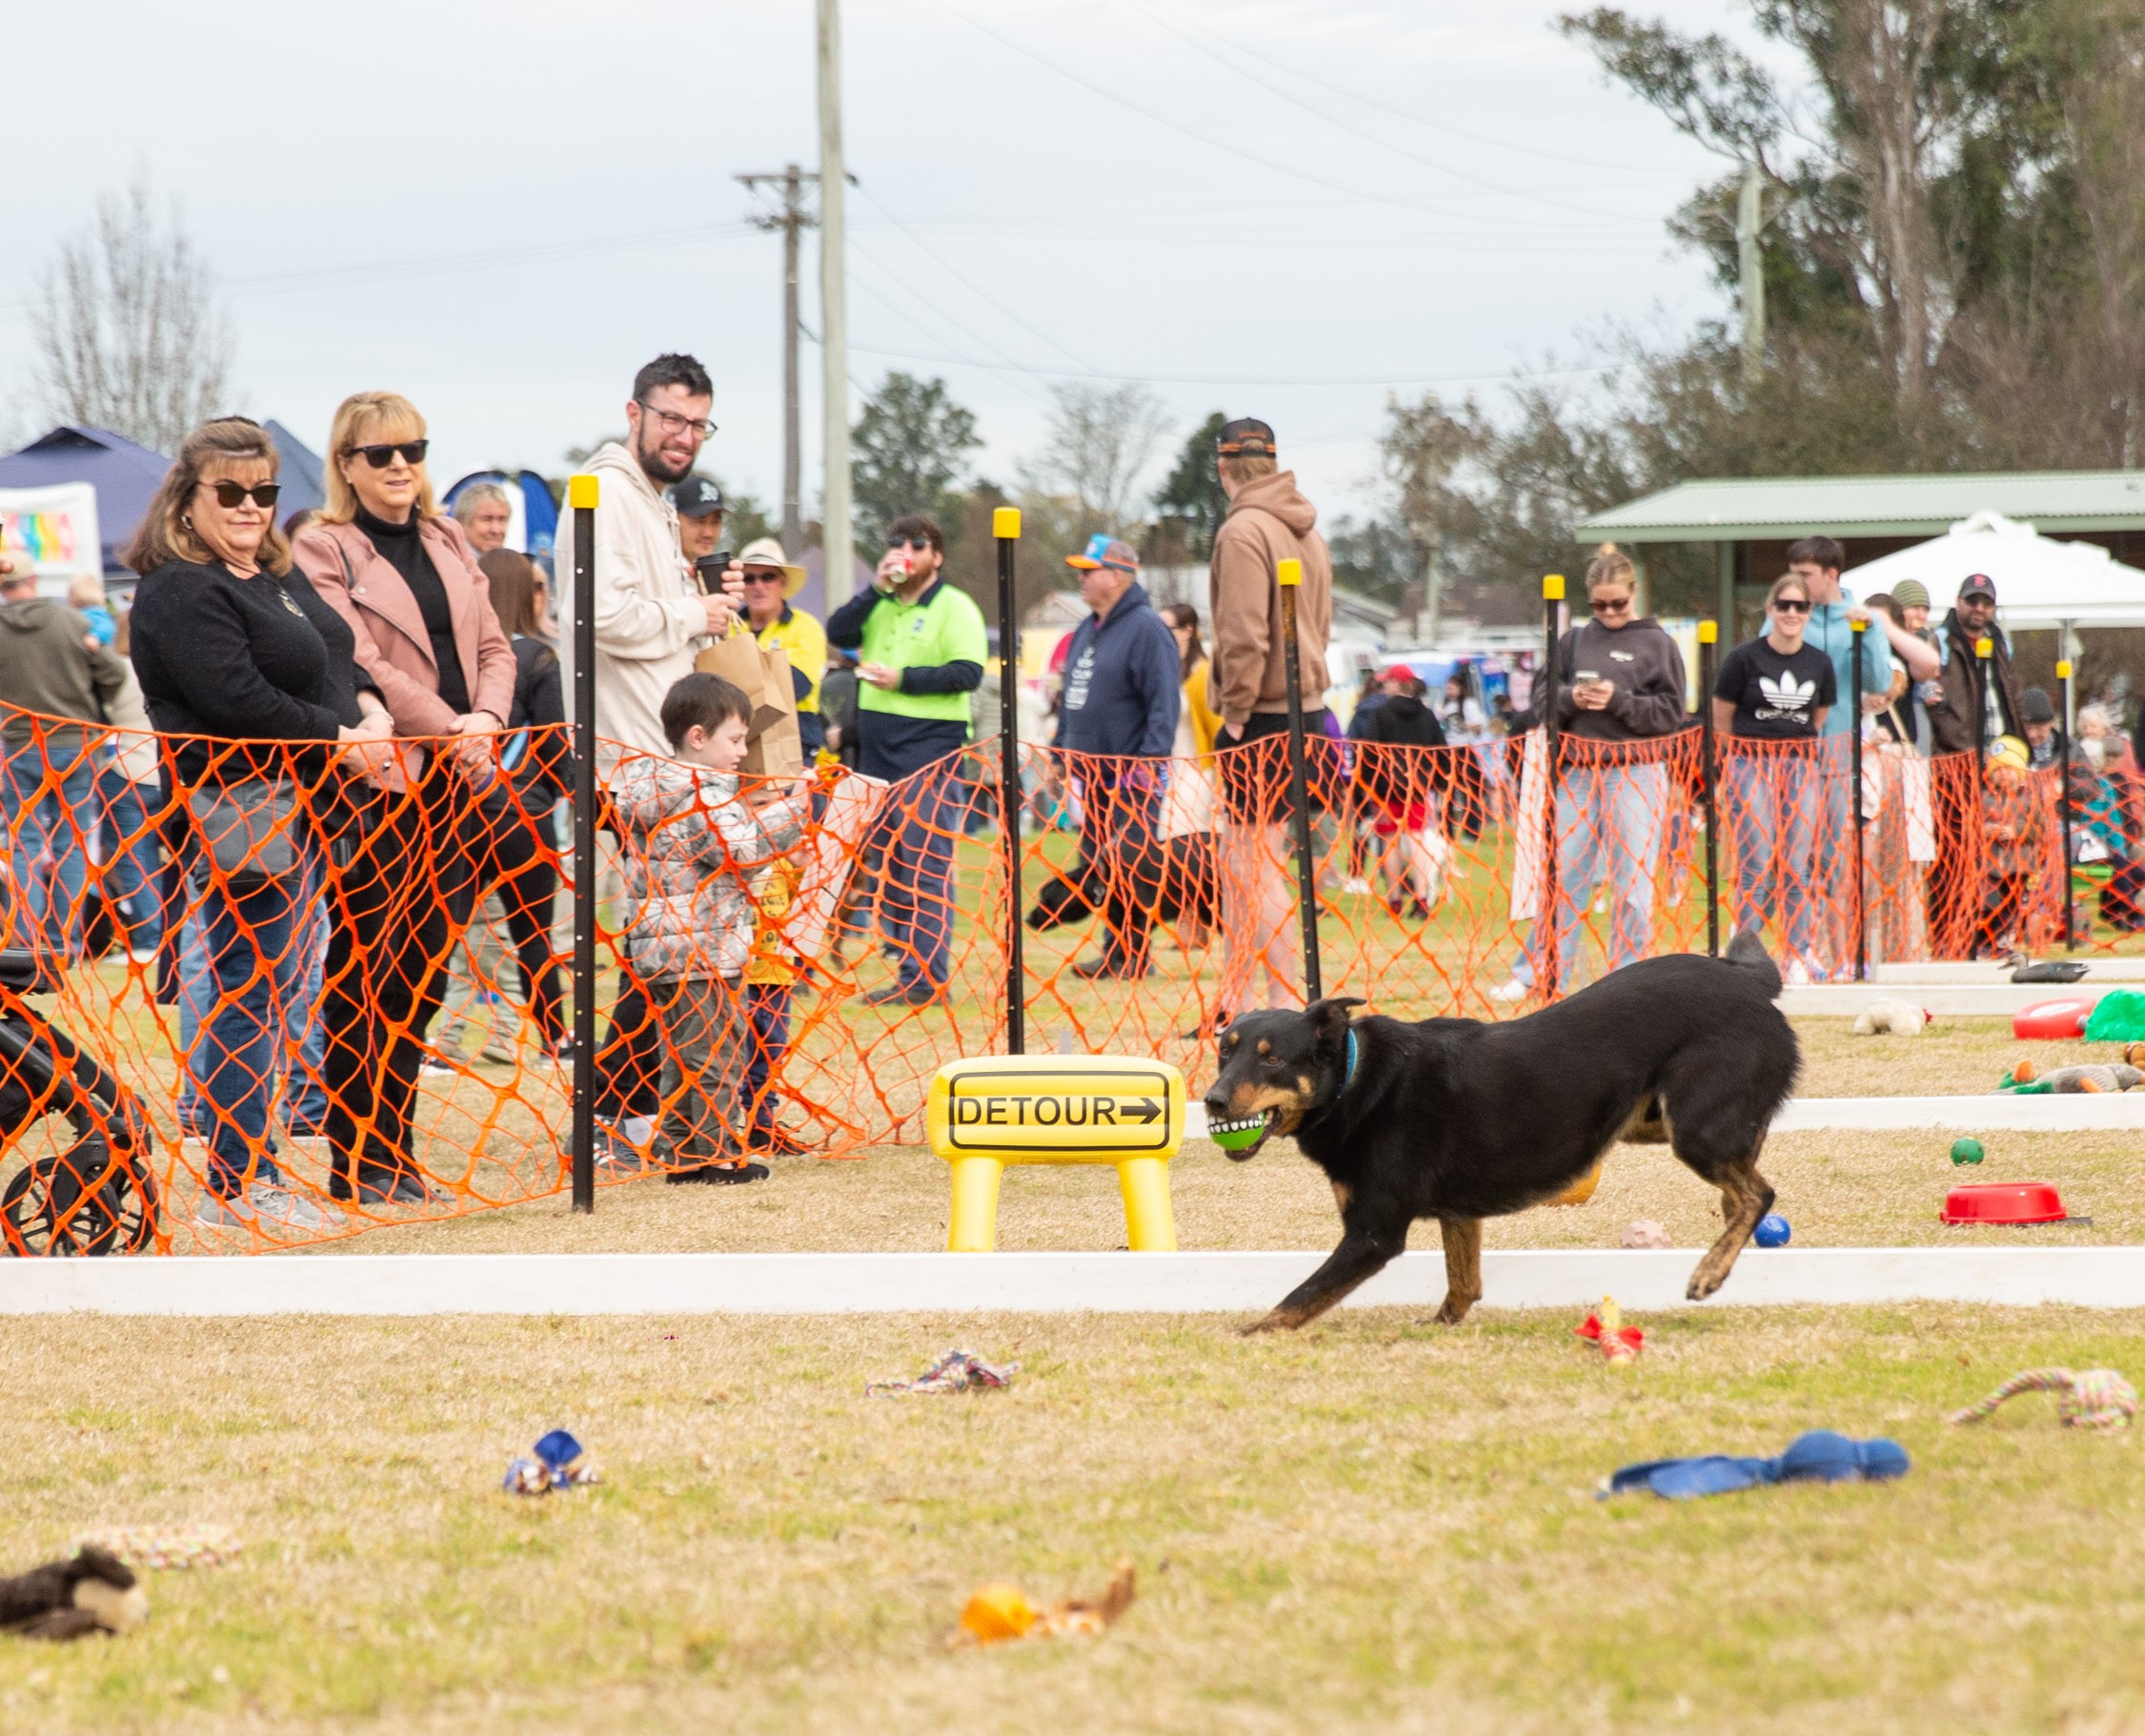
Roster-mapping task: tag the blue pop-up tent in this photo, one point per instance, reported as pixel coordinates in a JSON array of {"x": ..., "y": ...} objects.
[
  {"x": 124, "y": 475},
  {"x": 532, "y": 522},
  {"x": 298, "y": 471}
]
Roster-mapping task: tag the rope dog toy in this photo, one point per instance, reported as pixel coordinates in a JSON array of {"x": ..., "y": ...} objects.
[{"x": 2099, "y": 1398}]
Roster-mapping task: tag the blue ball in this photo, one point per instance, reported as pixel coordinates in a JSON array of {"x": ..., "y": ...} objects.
[{"x": 1772, "y": 1231}]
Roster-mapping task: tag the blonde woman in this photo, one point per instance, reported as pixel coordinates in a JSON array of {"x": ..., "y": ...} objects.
[
  {"x": 399, "y": 571},
  {"x": 1617, "y": 680}
]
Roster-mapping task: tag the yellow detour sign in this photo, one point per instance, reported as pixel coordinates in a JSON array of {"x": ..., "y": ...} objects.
[{"x": 994, "y": 1110}]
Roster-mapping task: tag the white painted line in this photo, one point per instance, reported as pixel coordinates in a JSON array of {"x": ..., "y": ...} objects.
[
  {"x": 368, "y": 1285},
  {"x": 2100, "y": 967},
  {"x": 1958, "y": 1000},
  {"x": 1996, "y": 1112}
]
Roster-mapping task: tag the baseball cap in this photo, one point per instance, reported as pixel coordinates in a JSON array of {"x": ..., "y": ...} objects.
[
  {"x": 1245, "y": 437},
  {"x": 1106, "y": 551},
  {"x": 1396, "y": 672},
  {"x": 768, "y": 553},
  {"x": 1978, "y": 584},
  {"x": 1910, "y": 594},
  {"x": 696, "y": 497}
]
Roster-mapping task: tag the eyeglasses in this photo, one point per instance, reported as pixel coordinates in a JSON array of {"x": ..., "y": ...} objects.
[
  {"x": 1788, "y": 605},
  {"x": 1608, "y": 605},
  {"x": 230, "y": 493},
  {"x": 763, "y": 579},
  {"x": 671, "y": 422},
  {"x": 917, "y": 543},
  {"x": 379, "y": 457}
]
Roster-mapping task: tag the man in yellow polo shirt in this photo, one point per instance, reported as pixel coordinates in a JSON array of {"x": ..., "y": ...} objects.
[{"x": 770, "y": 582}]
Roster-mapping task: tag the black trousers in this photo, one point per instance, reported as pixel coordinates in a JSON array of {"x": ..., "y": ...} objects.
[
  {"x": 411, "y": 869},
  {"x": 521, "y": 865}
]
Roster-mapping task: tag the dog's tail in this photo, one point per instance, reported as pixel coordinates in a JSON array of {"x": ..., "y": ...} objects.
[{"x": 1748, "y": 950}]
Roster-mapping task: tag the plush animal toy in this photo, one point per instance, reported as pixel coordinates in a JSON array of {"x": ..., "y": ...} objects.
[
  {"x": 1892, "y": 1018},
  {"x": 1620, "y": 1345},
  {"x": 96, "y": 1592},
  {"x": 2026, "y": 1079}
]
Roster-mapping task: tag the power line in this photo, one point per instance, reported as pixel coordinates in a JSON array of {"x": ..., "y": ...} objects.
[
  {"x": 1289, "y": 97},
  {"x": 1237, "y": 379},
  {"x": 1177, "y": 126}
]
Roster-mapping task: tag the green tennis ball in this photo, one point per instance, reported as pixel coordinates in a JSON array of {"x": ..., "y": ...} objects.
[
  {"x": 1967, "y": 1151},
  {"x": 1239, "y": 1135}
]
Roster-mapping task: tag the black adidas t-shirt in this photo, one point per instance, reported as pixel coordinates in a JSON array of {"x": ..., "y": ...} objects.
[{"x": 1776, "y": 697}]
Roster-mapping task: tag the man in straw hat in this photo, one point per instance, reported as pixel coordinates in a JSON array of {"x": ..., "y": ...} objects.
[{"x": 771, "y": 580}]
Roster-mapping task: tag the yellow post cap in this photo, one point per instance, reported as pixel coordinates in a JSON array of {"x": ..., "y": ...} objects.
[
  {"x": 2062, "y": 669},
  {"x": 1289, "y": 572},
  {"x": 1984, "y": 647},
  {"x": 580, "y": 491},
  {"x": 1006, "y": 523},
  {"x": 1553, "y": 588},
  {"x": 1859, "y": 626},
  {"x": 1709, "y": 632}
]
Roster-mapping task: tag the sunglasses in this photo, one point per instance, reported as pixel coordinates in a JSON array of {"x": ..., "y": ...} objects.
[
  {"x": 230, "y": 493},
  {"x": 379, "y": 457},
  {"x": 763, "y": 579},
  {"x": 917, "y": 543},
  {"x": 1787, "y": 605},
  {"x": 1616, "y": 607}
]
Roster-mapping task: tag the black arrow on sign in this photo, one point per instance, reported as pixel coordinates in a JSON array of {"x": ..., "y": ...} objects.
[{"x": 1146, "y": 1109}]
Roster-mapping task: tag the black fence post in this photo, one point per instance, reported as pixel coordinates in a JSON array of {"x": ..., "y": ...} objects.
[
  {"x": 1709, "y": 653},
  {"x": 1005, "y": 527},
  {"x": 1288, "y": 577},
  {"x": 580, "y": 498}
]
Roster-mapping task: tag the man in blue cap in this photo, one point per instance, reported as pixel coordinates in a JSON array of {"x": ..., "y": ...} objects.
[{"x": 1124, "y": 684}]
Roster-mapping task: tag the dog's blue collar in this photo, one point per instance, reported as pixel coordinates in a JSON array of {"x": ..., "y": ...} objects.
[{"x": 1351, "y": 1079}]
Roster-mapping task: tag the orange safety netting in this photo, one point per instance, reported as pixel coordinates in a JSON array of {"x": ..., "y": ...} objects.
[{"x": 356, "y": 988}]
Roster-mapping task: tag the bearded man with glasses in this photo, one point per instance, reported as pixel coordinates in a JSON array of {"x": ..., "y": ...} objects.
[{"x": 653, "y": 615}]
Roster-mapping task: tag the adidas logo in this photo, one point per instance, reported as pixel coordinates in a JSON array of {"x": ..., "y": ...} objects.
[{"x": 1788, "y": 696}]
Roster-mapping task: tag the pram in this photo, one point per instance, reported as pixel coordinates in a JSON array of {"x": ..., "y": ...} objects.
[{"x": 98, "y": 1195}]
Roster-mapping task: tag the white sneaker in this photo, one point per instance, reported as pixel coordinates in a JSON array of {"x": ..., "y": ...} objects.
[
  {"x": 1509, "y": 992},
  {"x": 264, "y": 1205},
  {"x": 1796, "y": 976},
  {"x": 434, "y": 1067},
  {"x": 1357, "y": 888},
  {"x": 142, "y": 954}
]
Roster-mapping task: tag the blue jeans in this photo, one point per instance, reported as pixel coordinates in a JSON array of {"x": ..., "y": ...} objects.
[
  {"x": 1772, "y": 808},
  {"x": 254, "y": 942},
  {"x": 916, "y": 873},
  {"x": 130, "y": 860},
  {"x": 1611, "y": 820},
  {"x": 305, "y": 1040},
  {"x": 52, "y": 810},
  {"x": 767, "y": 1007}
]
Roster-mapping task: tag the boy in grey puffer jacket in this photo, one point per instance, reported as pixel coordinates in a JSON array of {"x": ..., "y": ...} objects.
[{"x": 691, "y": 843}]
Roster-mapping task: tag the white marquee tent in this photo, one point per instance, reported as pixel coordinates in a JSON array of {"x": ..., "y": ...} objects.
[{"x": 2041, "y": 584}]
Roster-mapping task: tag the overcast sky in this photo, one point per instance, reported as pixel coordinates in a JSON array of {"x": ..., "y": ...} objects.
[{"x": 1277, "y": 208}]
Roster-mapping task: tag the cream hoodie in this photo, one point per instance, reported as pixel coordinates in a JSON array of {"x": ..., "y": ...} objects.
[
  {"x": 650, "y": 618},
  {"x": 1268, "y": 522}
]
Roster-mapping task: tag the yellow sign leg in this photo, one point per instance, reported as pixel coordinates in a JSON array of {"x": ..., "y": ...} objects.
[
  {"x": 1148, "y": 1226},
  {"x": 973, "y": 1228}
]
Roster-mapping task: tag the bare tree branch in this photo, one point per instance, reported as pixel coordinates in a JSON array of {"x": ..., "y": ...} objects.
[{"x": 1099, "y": 440}]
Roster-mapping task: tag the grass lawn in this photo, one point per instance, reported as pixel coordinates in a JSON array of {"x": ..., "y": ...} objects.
[{"x": 1373, "y": 1524}]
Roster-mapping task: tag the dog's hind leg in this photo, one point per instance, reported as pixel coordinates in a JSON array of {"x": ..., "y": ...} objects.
[
  {"x": 1361, "y": 1255},
  {"x": 1463, "y": 1268},
  {"x": 1745, "y": 1197}
]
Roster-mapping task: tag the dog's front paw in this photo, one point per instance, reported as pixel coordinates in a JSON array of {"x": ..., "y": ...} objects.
[
  {"x": 1703, "y": 1283},
  {"x": 1453, "y": 1313},
  {"x": 1276, "y": 1322}
]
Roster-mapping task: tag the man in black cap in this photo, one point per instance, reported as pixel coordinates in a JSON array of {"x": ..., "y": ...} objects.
[
  {"x": 1268, "y": 522},
  {"x": 1968, "y": 686},
  {"x": 701, "y": 514}
]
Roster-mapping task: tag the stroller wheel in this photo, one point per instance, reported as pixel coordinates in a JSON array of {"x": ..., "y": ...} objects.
[{"x": 84, "y": 1201}]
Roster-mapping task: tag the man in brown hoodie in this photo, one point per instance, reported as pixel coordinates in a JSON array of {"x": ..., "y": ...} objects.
[{"x": 1268, "y": 522}]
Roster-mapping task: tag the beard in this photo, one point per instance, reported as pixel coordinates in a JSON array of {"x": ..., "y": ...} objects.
[{"x": 659, "y": 470}]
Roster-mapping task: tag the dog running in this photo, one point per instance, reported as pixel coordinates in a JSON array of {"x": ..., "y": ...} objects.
[{"x": 1460, "y": 1120}]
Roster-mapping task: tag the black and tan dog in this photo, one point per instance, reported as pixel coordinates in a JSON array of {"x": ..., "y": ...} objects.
[{"x": 1460, "y": 1120}]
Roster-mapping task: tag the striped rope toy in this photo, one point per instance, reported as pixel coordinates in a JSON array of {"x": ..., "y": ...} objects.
[{"x": 2099, "y": 1398}]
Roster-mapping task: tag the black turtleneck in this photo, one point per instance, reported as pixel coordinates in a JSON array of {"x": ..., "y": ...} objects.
[{"x": 402, "y": 549}]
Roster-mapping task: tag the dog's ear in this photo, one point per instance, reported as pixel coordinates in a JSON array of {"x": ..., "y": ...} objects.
[{"x": 1330, "y": 1018}]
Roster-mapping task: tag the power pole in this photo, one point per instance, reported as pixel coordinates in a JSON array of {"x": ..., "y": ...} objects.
[
  {"x": 1749, "y": 257},
  {"x": 792, "y": 219},
  {"x": 840, "y": 548}
]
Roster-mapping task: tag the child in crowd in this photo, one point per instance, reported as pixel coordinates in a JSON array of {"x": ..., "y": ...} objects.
[
  {"x": 2017, "y": 848},
  {"x": 691, "y": 843},
  {"x": 770, "y": 981}
]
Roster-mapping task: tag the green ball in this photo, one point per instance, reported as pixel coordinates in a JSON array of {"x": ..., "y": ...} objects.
[
  {"x": 1967, "y": 1151},
  {"x": 1235, "y": 1135}
]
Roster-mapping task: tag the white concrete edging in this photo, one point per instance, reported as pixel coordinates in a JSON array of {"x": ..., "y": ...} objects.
[
  {"x": 1942, "y": 999},
  {"x": 409, "y": 1284},
  {"x": 2104, "y": 968},
  {"x": 1996, "y": 1112}
]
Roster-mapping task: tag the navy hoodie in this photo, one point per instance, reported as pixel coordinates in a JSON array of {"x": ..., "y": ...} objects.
[{"x": 1123, "y": 683}]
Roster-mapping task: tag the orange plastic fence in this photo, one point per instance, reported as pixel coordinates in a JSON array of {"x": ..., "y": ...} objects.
[{"x": 347, "y": 989}]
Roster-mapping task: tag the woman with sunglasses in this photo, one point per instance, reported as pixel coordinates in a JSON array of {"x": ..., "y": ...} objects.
[
  {"x": 400, "y": 572},
  {"x": 254, "y": 678},
  {"x": 1771, "y": 700},
  {"x": 1618, "y": 687}
]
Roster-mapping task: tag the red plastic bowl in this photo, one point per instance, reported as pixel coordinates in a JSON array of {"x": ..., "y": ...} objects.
[
  {"x": 2047, "y": 1018},
  {"x": 2004, "y": 1202}
]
